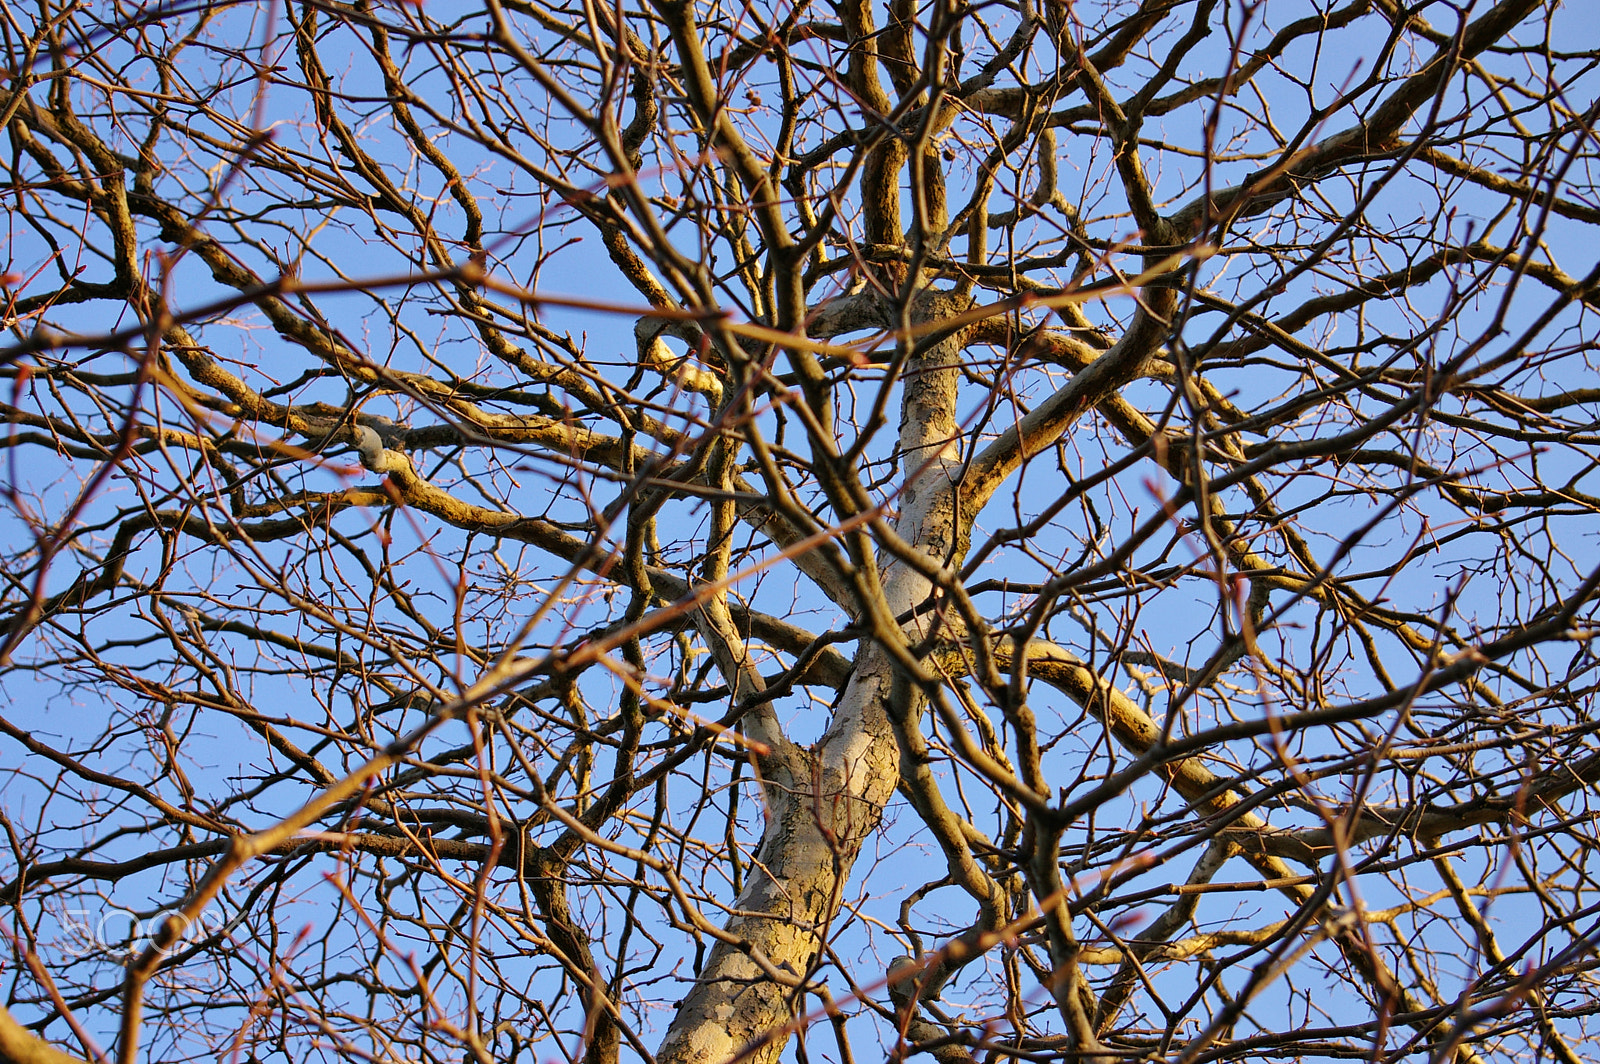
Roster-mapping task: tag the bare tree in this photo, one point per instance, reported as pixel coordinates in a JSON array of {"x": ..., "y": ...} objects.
[{"x": 699, "y": 532}]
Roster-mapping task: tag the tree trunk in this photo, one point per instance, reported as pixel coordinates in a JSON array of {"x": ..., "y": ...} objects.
[{"x": 832, "y": 797}]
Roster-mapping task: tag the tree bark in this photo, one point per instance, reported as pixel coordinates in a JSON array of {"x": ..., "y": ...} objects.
[{"x": 827, "y": 801}]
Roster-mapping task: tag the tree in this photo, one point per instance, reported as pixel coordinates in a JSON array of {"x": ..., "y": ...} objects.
[{"x": 550, "y": 529}]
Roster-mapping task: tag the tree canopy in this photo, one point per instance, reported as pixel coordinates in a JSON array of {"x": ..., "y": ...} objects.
[{"x": 696, "y": 531}]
